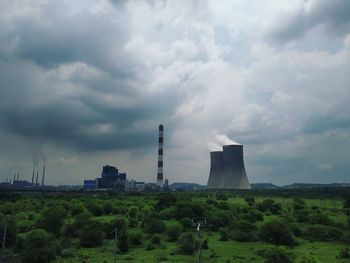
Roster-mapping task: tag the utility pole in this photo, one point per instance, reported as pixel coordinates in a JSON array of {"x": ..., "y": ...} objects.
[
  {"x": 116, "y": 243},
  {"x": 198, "y": 222}
]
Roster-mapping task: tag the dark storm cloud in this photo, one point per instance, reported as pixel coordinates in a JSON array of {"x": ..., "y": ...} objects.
[
  {"x": 36, "y": 103},
  {"x": 334, "y": 15}
]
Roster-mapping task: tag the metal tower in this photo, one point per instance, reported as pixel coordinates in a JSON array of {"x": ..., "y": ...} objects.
[{"x": 160, "y": 156}]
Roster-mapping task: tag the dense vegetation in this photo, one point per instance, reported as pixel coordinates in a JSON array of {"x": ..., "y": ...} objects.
[{"x": 247, "y": 226}]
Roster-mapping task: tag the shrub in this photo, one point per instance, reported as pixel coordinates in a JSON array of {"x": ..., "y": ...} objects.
[
  {"x": 94, "y": 208},
  {"x": 91, "y": 235},
  {"x": 123, "y": 241},
  {"x": 322, "y": 233},
  {"x": 243, "y": 236},
  {"x": 24, "y": 226},
  {"x": 223, "y": 234},
  {"x": 173, "y": 230},
  {"x": 152, "y": 224},
  {"x": 186, "y": 244},
  {"x": 76, "y": 208},
  {"x": 250, "y": 200},
  {"x": 278, "y": 255},
  {"x": 52, "y": 219},
  {"x": 277, "y": 233},
  {"x": 344, "y": 253},
  {"x": 155, "y": 239},
  {"x": 270, "y": 205},
  {"x": 136, "y": 237},
  {"x": 37, "y": 247},
  {"x": 308, "y": 259},
  {"x": 121, "y": 222}
]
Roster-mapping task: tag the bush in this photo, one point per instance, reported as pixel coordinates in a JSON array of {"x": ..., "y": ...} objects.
[
  {"x": 322, "y": 233},
  {"x": 37, "y": 247},
  {"x": 91, "y": 235},
  {"x": 95, "y": 208},
  {"x": 223, "y": 234},
  {"x": 136, "y": 237},
  {"x": 121, "y": 222},
  {"x": 186, "y": 244},
  {"x": 250, "y": 200},
  {"x": 123, "y": 241},
  {"x": 155, "y": 239},
  {"x": 270, "y": 205},
  {"x": 308, "y": 259},
  {"x": 243, "y": 236},
  {"x": 52, "y": 219},
  {"x": 344, "y": 253},
  {"x": 24, "y": 226},
  {"x": 278, "y": 255},
  {"x": 173, "y": 230},
  {"x": 277, "y": 233},
  {"x": 76, "y": 208},
  {"x": 152, "y": 224}
]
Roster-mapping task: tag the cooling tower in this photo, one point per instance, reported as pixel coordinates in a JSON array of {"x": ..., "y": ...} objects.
[
  {"x": 227, "y": 169},
  {"x": 216, "y": 166}
]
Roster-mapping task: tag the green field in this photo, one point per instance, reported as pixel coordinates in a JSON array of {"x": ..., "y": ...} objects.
[{"x": 152, "y": 227}]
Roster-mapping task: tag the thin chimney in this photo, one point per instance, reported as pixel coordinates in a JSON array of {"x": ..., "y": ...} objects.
[
  {"x": 42, "y": 178},
  {"x": 33, "y": 178},
  {"x": 37, "y": 177}
]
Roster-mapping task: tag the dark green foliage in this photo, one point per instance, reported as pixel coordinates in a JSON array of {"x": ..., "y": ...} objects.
[
  {"x": 165, "y": 200},
  {"x": 107, "y": 207},
  {"x": 221, "y": 196},
  {"x": 152, "y": 224},
  {"x": 91, "y": 235},
  {"x": 52, "y": 219},
  {"x": 321, "y": 219},
  {"x": 186, "y": 244},
  {"x": 217, "y": 219},
  {"x": 243, "y": 236},
  {"x": 189, "y": 209},
  {"x": 186, "y": 222},
  {"x": 346, "y": 207},
  {"x": 322, "y": 233},
  {"x": 11, "y": 230},
  {"x": 136, "y": 237},
  {"x": 123, "y": 241},
  {"x": 133, "y": 212},
  {"x": 308, "y": 259},
  {"x": 82, "y": 220},
  {"x": 278, "y": 255},
  {"x": 344, "y": 253},
  {"x": 95, "y": 208},
  {"x": 155, "y": 239},
  {"x": 250, "y": 200},
  {"x": 24, "y": 226},
  {"x": 223, "y": 234},
  {"x": 37, "y": 246},
  {"x": 121, "y": 222},
  {"x": 277, "y": 233},
  {"x": 173, "y": 230},
  {"x": 299, "y": 204},
  {"x": 270, "y": 205}
]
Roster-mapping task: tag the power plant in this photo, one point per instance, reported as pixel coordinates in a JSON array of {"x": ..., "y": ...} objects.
[{"x": 227, "y": 169}]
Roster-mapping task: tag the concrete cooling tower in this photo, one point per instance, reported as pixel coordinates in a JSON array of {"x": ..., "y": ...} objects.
[{"x": 227, "y": 169}]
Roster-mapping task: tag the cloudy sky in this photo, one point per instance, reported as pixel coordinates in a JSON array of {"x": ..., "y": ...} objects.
[{"x": 86, "y": 83}]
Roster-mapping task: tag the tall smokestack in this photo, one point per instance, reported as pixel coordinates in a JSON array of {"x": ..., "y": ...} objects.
[
  {"x": 17, "y": 177},
  {"x": 37, "y": 177},
  {"x": 14, "y": 178},
  {"x": 216, "y": 167},
  {"x": 33, "y": 178},
  {"x": 160, "y": 156},
  {"x": 42, "y": 179}
]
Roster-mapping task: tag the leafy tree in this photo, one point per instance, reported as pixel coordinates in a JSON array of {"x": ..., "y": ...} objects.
[
  {"x": 95, "y": 208},
  {"x": 346, "y": 207},
  {"x": 38, "y": 247},
  {"x": 186, "y": 244},
  {"x": 298, "y": 204},
  {"x": 250, "y": 200},
  {"x": 76, "y": 207},
  {"x": 91, "y": 235},
  {"x": 344, "y": 253},
  {"x": 223, "y": 234},
  {"x": 152, "y": 224},
  {"x": 123, "y": 241},
  {"x": 173, "y": 230},
  {"x": 133, "y": 212},
  {"x": 165, "y": 200},
  {"x": 278, "y": 255},
  {"x": 322, "y": 233},
  {"x": 277, "y": 233},
  {"x": 121, "y": 222},
  {"x": 155, "y": 239},
  {"x": 136, "y": 237},
  {"x": 52, "y": 219},
  {"x": 10, "y": 232},
  {"x": 270, "y": 205}
]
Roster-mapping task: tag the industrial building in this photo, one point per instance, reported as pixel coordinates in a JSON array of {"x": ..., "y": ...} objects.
[
  {"x": 110, "y": 178},
  {"x": 227, "y": 169}
]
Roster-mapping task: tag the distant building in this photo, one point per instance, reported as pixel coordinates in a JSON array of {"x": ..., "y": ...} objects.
[
  {"x": 111, "y": 179},
  {"x": 89, "y": 184}
]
